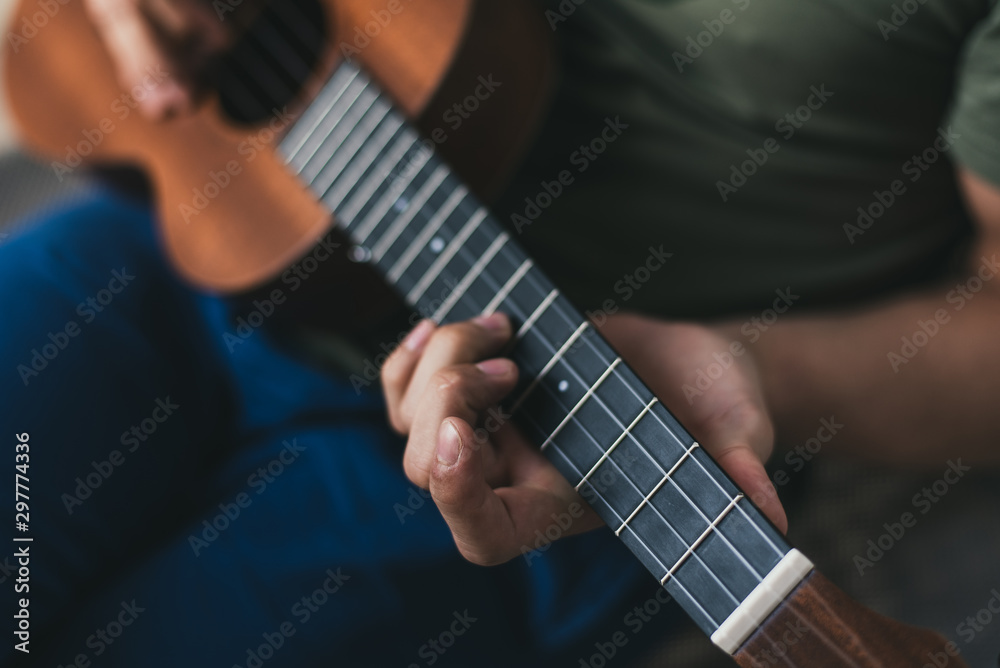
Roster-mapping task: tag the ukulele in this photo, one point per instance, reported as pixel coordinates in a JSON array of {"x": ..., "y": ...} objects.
[{"x": 322, "y": 125}]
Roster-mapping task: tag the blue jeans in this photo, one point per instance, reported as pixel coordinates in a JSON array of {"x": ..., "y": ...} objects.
[{"x": 193, "y": 505}]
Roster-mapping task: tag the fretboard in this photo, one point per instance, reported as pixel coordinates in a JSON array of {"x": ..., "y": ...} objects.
[{"x": 649, "y": 480}]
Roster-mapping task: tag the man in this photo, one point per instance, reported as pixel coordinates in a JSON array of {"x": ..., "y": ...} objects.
[{"x": 847, "y": 204}]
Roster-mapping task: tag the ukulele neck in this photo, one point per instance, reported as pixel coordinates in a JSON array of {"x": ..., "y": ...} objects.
[{"x": 412, "y": 218}]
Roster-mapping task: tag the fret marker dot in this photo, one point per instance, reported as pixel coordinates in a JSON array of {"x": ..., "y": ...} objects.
[
  {"x": 437, "y": 245},
  {"x": 401, "y": 204},
  {"x": 359, "y": 254},
  {"x": 563, "y": 385}
]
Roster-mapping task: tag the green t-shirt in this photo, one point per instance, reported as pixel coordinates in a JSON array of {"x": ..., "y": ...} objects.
[{"x": 771, "y": 145}]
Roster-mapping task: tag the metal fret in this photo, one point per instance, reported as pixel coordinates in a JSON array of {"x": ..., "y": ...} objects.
[
  {"x": 366, "y": 140},
  {"x": 551, "y": 363},
  {"x": 471, "y": 276},
  {"x": 339, "y": 133},
  {"x": 663, "y": 481},
  {"x": 446, "y": 255},
  {"x": 576, "y": 408},
  {"x": 365, "y": 161},
  {"x": 314, "y": 116},
  {"x": 423, "y": 237},
  {"x": 529, "y": 323},
  {"x": 607, "y": 453},
  {"x": 371, "y": 146},
  {"x": 371, "y": 221},
  {"x": 514, "y": 279},
  {"x": 694, "y": 546}
]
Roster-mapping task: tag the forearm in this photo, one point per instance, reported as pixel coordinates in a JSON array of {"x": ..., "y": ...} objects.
[{"x": 916, "y": 401}]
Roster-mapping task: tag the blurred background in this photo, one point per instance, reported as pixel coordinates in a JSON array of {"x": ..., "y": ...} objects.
[{"x": 835, "y": 507}]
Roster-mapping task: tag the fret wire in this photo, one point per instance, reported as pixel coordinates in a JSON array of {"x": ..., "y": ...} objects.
[
  {"x": 548, "y": 365},
  {"x": 344, "y": 122},
  {"x": 446, "y": 255},
  {"x": 430, "y": 228},
  {"x": 314, "y": 115},
  {"x": 700, "y": 465},
  {"x": 639, "y": 539},
  {"x": 526, "y": 269},
  {"x": 470, "y": 277},
  {"x": 337, "y": 159},
  {"x": 689, "y": 500},
  {"x": 363, "y": 162},
  {"x": 387, "y": 200},
  {"x": 588, "y": 395},
  {"x": 626, "y": 477},
  {"x": 631, "y": 482},
  {"x": 530, "y": 322},
  {"x": 618, "y": 441},
  {"x": 507, "y": 287},
  {"x": 701, "y": 538},
  {"x": 559, "y": 449},
  {"x": 666, "y": 477},
  {"x": 429, "y": 187},
  {"x": 643, "y": 448}
]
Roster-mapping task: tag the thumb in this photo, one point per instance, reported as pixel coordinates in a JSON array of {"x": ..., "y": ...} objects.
[{"x": 478, "y": 518}]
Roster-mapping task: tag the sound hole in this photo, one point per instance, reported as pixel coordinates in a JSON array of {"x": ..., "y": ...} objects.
[{"x": 273, "y": 59}]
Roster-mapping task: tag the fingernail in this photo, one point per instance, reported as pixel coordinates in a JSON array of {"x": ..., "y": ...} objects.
[
  {"x": 417, "y": 339},
  {"x": 496, "y": 367},
  {"x": 495, "y": 322},
  {"x": 449, "y": 445}
]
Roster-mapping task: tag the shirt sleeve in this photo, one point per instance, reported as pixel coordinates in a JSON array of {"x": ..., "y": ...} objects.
[{"x": 975, "y": 114}]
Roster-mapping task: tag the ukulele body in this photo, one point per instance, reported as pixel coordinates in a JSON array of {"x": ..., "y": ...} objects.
[{"x": 232, "y": 217}]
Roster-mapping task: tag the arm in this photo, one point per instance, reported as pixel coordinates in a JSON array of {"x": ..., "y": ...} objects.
[{"x": 921, "y": 405}]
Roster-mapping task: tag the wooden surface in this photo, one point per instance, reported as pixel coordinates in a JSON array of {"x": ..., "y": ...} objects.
[
  {"x": 62, "y": 87},
  {"x": 819, "y": 626}
]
